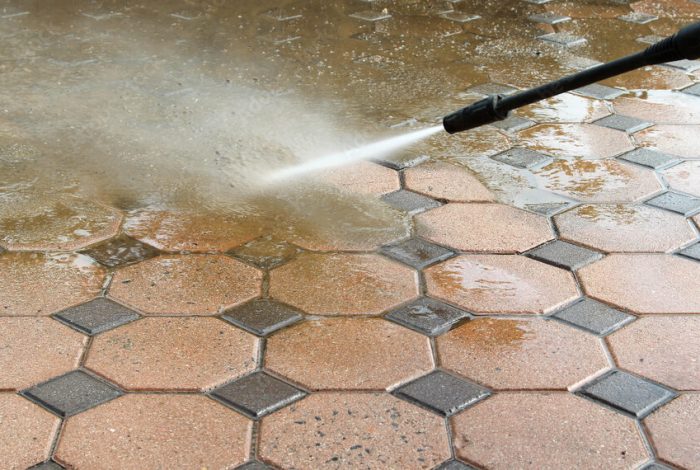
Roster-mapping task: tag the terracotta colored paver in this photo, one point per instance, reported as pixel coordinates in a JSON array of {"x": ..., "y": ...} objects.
[
  {"x": 343, "y": 284},
  {"x": 173, "y": 354},
  {"x": 598, "y": 181},
  {"x": 33, "y": 350},
  {"x": 349, "y": 353},
  {"x": 442, "y": 180},
  {"x": 661, "y": 107},
  {"x": 684, "y": 177},
  {"x": 367, "y": 430},
  {"x": 495, "y": 228},
  {"x": 521, "y": 354},
  {"x": 624, "y": 228},
  {"x": 662, "y": 348},
  {"x": 156, "y": 431},
  {"x": 186, "y": 284},
  {"x": 546, "y": 431},
  {"x": 501, "y": 284},
  {"x": 363, "y": 178},
  {"x": 480, "y": 141},
  {"x": 566, "y": 108},
  {"x": 576, "y": 140},
  {"x": 674, "y": 431},
  {"x": 674, "y": 140},
  {"x": 26, "y": 433},
  {"x": 53, "y": 223},
  {"x": 42, "y": 284},
  {"x": 649, "y": 283},
  {"x": 651, "y": 78}
]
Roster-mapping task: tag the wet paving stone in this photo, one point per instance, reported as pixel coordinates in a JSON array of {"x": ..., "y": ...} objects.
[
  {"x": 692, "y": 90},
  {"x": 120, "y": 251},
  {"x": 600, "y": 92},
  {"x": 548, "y": 208},
  {"x": 674, "y": 431},
  {"x": 258, "y": 394},
  {"x": 692, "y": 252},
  {"x": 50, "y": 465},
  {"x": 594, "y": 316},
  {"x": 655, "y": 466},
  {"x": 523, "y": 158},
  {"x": 651, "y": 78},
  {"x": 428, "y": 316},
  {"x": 71, "y": 393},
  {"x": 401, "y": 163},
  {"x": 362, "y": 178},
  {"x": 548, "y": 18},
  {"x": 97, "y": 316},
  {"x": 626, "y": 392},
  {"x": 676, "y": 202},
  {"x": 460, "y": 17},
  {"x": 445, "y": 181},
  {"x": 672, "y": 139},
  {"x": 262, "y": 317},
  {"x": 566, "y": 108},
  {"x": 563, "y": 39},
  {"x": 623, "y": 123},
  {"x": 409, "y": 202},
  {"x": 371, "y": 15},
  {"x": 639, "y": 18},
  {"x": 564, "y": 255},
  {"x": 266, "y": 253},
  {"x": 454, "y": 465},
  {"x": 513, "y": 124},
  {"x": 684, "y": 177},
  {"x": 659, "y": 106},
  {"x": 586, "y": 141},
  {"x": 417, "y": 252},
  {"x": 487, "y": 89},
  {"x": 442, "y": 393},
  {"x": 649, "y": 158},
  {"x": 685, "y": 65},
  {"x": 254, "y": 466}
]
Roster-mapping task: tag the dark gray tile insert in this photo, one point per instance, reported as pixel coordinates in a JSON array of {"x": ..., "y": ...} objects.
[
  {"x": 693, "y": 251},
  {"x": 655, "y": 466},
  {"x": 120, "y": 251},
  {"x": 639, "y": 18},
  {"x": 523, "y": 158},
  {"x": 258, "y": 394},
  {"x": 409, "y": 201},
  {"x": 401, "y": 163},
  {"x": 564, "y": 255},
  {"x": 650, "y": 158},
  {"x": 454, "y": 465},
  {"x": 71, "y": 393},
  {"x": 513, "y": 124},
  {"x": 692, "y": 90},
  {"x": 623, "y": 123},
  {"x": 548, "y": 208},
  {"x": 600, "y": 92},
  {"x": 459, "y": 16},
  {"x": 676, "y": 202},
  {"x": 650, "y": 39},
  {"x": 492, "y": 89},
  {"x": 49, "y": 465},
  {"x": 262, "y": 317},
  {"x": 97, "y": 316},
  {"x": 254, "y": 465},
  {"x": 548, "y": 18},
  {"x": 594, "y": 316},
  {"x": 685, "y": 65},
  {"x": 417, "y": 252},
  {"x": 370, "y": 15},
  {"x": 263, "y": 258},
  {"x": 442, "y": 392},
  {"x": 428, "y": 316},
  {"x": 538, "y": 2},
  {"x": 563, "y": 39},
  {"x": 626, "y": 392}
]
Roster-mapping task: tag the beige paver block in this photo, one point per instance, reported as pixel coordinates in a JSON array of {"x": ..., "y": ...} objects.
[
  {"x": 624, "y": 228},
  {"x": 343, "y": 284},
  {"x": 663, "y": 348},
  {"x": 26, "y": 432},
  {"x": 681, "y": 140},
  {"x": 587, "y": 141},
  {"x": 156, "y": 431},
  {"x": 362, "y": 178},
  {"x": 494, "y": 228},
  {"x": 353, "y": 430},
  {"x": 645, "y": 283},
  {"x": 42, "y": 284},
  {"x": 442, "y": 180},
  {"x": 501, "y": 284},
  {"x": 173, "y": 354},
  {"x": 651, "y": 78},
  {"x": 521, "y": 354},
  {"x": 675, "y": 433},
  {"x": 660, "y": 107},
  {"x": 566, "y": 108},
  {"x": 186, "y": 284},
  {"x": 33, "y": 350},
  {"x": 349, "y": 353},
  {"x": 546, "y": 431},
  {"x": 684, "y": 177}
]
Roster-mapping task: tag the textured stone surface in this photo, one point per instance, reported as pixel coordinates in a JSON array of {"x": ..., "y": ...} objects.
[
  {"x": 576, "y": 140},
  {"x": 564, "y": 255},
  {"x": 442, "y": 393},
  {"x": 594, "y": 316},
  {"x": 650, "y": 158},
  {"x": 627, "y": 124},
  {"x": 441, "y": 180},
  {"x": 673, "y": 139},
  {"x": 674, "y": 431},
  {"x": 563, "y": 39},
  {"x": 692, "y": 252},
  {"x": 409, "y": 202},
  {"x": 428, "y": 316},
  {"x": 417, "y": 252},
  {"x": 262, "y": 317},
  {"x": 97, "y": 316},
  {"x": 362, "y": 178},
  {"x": 120, "y": 251},
  {"x": 266, "y": 252},
  {"x": 676, "y": 202},
  {"x": 684, "y": 177},
  {"x": 599, "y": 91},
  {"x": 523, "y": 158}
]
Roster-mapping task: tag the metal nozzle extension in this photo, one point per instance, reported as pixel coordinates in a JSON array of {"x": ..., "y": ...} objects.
[{"x": 478, "y": 114}]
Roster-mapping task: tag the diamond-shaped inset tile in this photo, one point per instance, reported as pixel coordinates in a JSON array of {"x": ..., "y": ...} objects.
[
  {"x": 454, "y": 465},
  {"x": 692, "y": 90},
  {"x": 655, "y": 466},
  {"x": 284, "y": 14},
  {"x": 563, "y": 39},
  {"x": 538, "y": 2},
  {"x": 265, "y": 253},
  {"x": 523, "y": 158},
  {"x": 410, "y": 202},
  {"x": 675, "y": 202},
  {"x": 442, "y": 392},
  {"x": 262, "y": 317},
  {"x": 417, "y": 252},
  {"x": 401, "y": 163},
  {"x": 649, "y": 158},
  {"x": 650, "y": 39},
  {"x": 627, "y": 392},
  {"x": 258, "y": 394},
  {"x": 623, "y": 123},
  {"x": 548, "y": 18},
  {"x": 685, "y": 65},
  {"x": 600, "y": 92},
  {"x": 371, "y": 15},
  {"x": 97, "y": 316},
  {"x": 594, "y": 316},
  {"x": 564, "y": 255},
  {"x": 513, "y": 123},
  {"x": 254, "y": 465},
  {"x": 49, "y": 465},
  {"x": 491, "y": 89},
  {"x": 693, "y": 252},
  {"x": 428, "y": 316},
  {"x": 120, "y": 251},
  {"x": 638, "y": 17},
  {"x": 460, "y": 16},
  {"x": 548, "y": 208},
  {"x": 71, "y": 393}
]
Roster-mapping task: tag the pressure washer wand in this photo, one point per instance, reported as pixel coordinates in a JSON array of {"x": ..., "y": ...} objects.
[{"x": 685, "y": 44}]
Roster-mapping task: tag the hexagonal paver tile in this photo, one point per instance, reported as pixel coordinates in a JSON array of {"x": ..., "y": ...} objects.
[
  {"x": 54, "y": 223},
  {"x": 186, "y": 284},
  {"x": 353, "y": 430},
  {"x": 495, "y": 228},
  {"x": 566, "y": 108},
  {"x": 41, "y": 284},
  {"x": 684, "y": 177},
  {"x": 644, "y": 283},
  {"x": 624, "y": 228},
  {"x": 27, "y": 432},
  {"x": 674, "y": 431},
  {"x": 194, "y": 232},
  {"x": 501, "y": 284},
  {"x": 36, "y": 349},
  {"x": 676, "y": 140},
  {"x": 662, "y": 348},
  {"x": 661, "y": 107},
  {"x": 343, "y": 284},
  {"x": 651, "y": 78},
  {"x": 511, "y": 428},
  {"x": 349, "y": 353},
  {"x": 576, "y": 140},
  {"x": 362, "y": 178},
  {"x": 598, "y": 181},
  {"x": 128, "y": 433},
  {"x": 442, "y": 180},
  {"x": 168, "y": 354},
  {"x": 521, "y": 354}
]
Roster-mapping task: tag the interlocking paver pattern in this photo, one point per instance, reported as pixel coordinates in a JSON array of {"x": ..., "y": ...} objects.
[{"x": 673, "y": 430}]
